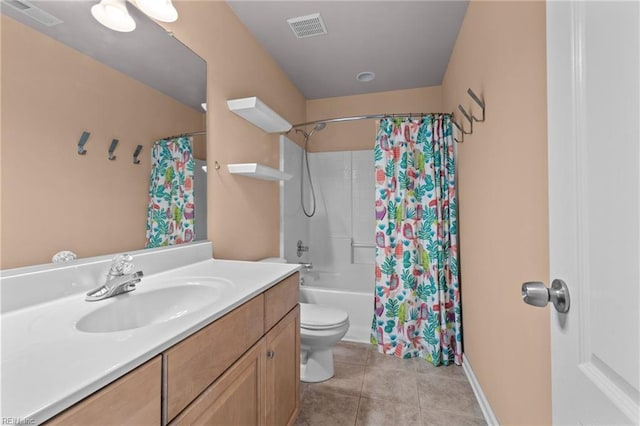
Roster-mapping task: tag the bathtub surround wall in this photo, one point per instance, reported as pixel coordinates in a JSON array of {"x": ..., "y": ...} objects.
[
  {"x": 342, "y": 275},
  {"x": 500, "y": 52},
  {"x": 52, "y": 198},
  {"x": 344, "y": 182},
  {"x": 294, "y": 225}
]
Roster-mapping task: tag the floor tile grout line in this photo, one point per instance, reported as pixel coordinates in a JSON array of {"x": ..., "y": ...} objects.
[{"x": 355, "y": 422}]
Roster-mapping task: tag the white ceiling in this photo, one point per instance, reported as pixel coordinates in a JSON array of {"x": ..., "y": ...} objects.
[{"x": 406, "y": 44}]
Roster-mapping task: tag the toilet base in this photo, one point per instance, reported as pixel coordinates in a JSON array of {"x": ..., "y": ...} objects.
[{"x": 316, "y": 366}]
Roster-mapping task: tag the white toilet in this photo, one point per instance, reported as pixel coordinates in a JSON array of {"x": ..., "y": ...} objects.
[{"x": 321, "y": 327}]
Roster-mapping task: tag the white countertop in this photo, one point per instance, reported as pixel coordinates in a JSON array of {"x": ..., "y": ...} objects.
[{"x": 48, "y": 365}]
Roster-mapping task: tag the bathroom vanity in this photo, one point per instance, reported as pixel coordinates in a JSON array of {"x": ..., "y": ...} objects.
[{"x": 235, "y": 361}]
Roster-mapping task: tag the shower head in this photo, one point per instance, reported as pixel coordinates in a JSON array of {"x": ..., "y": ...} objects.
[{"x": 317, "y": 127}]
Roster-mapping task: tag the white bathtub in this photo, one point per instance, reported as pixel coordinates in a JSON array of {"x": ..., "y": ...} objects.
[
  {"x": 329, "y": 288},
  {"x": 359, "y": 305}
]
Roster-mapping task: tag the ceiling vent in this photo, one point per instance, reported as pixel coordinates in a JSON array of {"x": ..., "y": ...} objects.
[
  {"x": 307, "y": 26},
  {"x": 45, "y": 18}
]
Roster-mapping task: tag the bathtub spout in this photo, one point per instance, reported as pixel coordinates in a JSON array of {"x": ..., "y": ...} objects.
[{"x": 307, "y": 266}]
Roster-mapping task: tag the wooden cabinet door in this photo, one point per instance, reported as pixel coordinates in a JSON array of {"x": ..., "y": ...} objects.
[
  {"x": 235, "y": 399},
  {"x": 133, "y": 399},
  {"x": 283, "y": 370},
  {"x": 196, "y": 362}
]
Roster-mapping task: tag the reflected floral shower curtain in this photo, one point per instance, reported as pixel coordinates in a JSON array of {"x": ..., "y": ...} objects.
[
  {"x": 170, "y": 215},
  {"x": 417, "y": 300}
]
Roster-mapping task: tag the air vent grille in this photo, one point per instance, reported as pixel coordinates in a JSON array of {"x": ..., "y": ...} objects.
[
  {"x": 45, "y": 18},
  {"x": 307, "y": 26}
]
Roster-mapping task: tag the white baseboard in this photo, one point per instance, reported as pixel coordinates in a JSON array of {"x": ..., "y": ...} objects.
[{"x": 487, "y": 412}]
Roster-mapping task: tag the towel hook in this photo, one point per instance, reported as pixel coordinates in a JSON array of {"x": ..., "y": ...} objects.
[
  {"x": 136, "y": 160},
  {"x": 468, "y": 117},
  {"x": 81, "y": 142},
  {"x": 112, "y": 148},
  {"x": 479, "y": 102},
  {"x": 461, "y": 132}
]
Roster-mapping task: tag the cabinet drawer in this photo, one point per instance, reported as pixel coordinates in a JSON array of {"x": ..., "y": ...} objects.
[
  {"x": 280, "y": 299},
  {"x": 131, "y": 400},
  {"x": 196, "y": 362}
]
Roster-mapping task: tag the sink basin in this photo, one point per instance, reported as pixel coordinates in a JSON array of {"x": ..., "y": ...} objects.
[{"x": 135, "y": 310}]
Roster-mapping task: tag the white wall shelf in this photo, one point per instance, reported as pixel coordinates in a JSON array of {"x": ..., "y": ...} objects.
[
  {"x": 257, "y": 171},
  {"x": 259, "y": 114}
]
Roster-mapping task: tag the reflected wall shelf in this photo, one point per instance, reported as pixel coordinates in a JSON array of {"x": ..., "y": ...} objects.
[
  {"x": 257, "y": 171},
  {"x": 257, "y": 113}
]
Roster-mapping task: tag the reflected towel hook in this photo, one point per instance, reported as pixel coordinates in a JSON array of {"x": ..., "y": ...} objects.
[
  {"x": 480, "y": 102},
  {"x": 461, "y": 132},
  {"x": 82, "y": 141},
  {"x": 216, "y": 165},
  {"x": 136, "y": 160},
  {"x": 112, "y": 148},
  {"x": 468, "y": 117}
]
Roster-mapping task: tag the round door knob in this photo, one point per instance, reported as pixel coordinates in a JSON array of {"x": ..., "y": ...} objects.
[
  {"x": 270, "y": 353},
  {"x": 537, "y": 294}
]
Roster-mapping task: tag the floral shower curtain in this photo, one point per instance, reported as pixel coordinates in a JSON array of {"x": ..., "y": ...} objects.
[
  {"x": 417, "y": 300},
  {"x": 170, "y": 215}
]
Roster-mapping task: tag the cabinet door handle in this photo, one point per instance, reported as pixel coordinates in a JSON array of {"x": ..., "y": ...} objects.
[{"x": 270, "y": 353}]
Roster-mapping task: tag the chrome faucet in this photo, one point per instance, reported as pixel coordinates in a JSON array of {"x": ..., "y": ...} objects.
[{"x": 119, "y": 279}]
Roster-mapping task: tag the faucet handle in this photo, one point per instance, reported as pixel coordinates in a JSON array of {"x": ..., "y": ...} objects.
[{"x": 122, "y": 264}]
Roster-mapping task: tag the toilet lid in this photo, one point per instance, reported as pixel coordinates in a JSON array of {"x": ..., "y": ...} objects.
[{"x": 314, "y": 316}]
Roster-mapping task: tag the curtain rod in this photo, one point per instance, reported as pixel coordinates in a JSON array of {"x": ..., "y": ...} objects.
[
  {"x": 184, "y": 135},
  {"x": 369, "y": 117}
]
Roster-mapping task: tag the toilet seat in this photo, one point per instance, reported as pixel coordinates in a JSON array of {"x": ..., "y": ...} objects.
[{"x": 318, "y": 317}]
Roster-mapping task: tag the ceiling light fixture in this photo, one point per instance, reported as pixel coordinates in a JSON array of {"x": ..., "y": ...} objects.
[
  {"x": 160, "y": 10},
  {"x": 113, "y": 14},
  {"x": 365, "y": 76}
]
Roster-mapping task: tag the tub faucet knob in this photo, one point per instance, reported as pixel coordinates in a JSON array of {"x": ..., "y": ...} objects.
[{"x": 301, "y": 248}]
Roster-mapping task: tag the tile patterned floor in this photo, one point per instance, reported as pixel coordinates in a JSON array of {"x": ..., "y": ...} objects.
[{"x": 372, "y": 389}]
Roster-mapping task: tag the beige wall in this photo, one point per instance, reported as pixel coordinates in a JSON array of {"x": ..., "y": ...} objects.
[
  {"x": 53, "y": 198},
  {"x": 500, "y": 53},
  {"x": 243, "y": 218},
  {"x": 361, "y": 134}
]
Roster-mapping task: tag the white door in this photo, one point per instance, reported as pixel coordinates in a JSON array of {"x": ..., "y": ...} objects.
[{"x": 593, "y": 55}]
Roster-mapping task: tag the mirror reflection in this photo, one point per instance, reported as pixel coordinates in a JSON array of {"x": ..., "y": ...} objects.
[{"x": 64, "y": 74}]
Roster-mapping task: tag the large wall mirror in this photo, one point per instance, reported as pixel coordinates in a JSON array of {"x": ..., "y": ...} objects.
[{"x": 63, "y": 74}]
